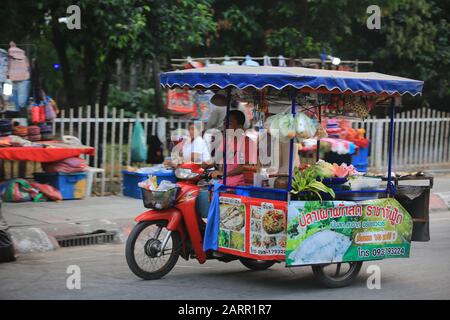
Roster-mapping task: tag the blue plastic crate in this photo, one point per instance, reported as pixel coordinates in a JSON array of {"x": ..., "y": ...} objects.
[
  {"x": 130, "y": 181},
  {"x": 71, "y": 185},
  {"x": 255, "y": 192},
  {"x": 362, "y": 158}
]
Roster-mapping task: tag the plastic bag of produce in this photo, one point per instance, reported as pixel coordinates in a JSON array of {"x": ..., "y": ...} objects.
[
  {"x": 287, "y": 126},
  {"x": 304, "y": 126}
]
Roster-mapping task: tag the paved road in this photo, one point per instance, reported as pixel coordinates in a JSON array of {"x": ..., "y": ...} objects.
[{"x": 105, "y": 275}]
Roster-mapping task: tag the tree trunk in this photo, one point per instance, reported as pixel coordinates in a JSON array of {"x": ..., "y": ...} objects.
[
  {"x": 60, "y": 46},
  {"x": 91, "y": 70},
  {"x": 157, "y": 85}
]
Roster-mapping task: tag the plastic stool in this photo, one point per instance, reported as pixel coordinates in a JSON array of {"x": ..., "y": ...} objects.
[{"x": 91, "y": 171}]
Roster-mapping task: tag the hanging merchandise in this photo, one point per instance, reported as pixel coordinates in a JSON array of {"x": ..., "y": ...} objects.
[
  {"x": 21, "y": 93},
  {"x": 191, "y": 64},
  {"x": 267, "y": 61},
  {"x": 249, "y": 62},
  {"x": 282, "y": 125},
  {"x": 209, "y": 64},
  {"x": 179, "y": 100},
  {"x": 50, "y": 112},
  {"x": 138, "y": 144},
  {"x": 202, "y": 105},
  {"x": 358, "y": 107},
  {"x": 228, "y": 62},
  {"x": 35, "y": 114},
  {"x": 304, "y": 126},
  {"x": 321, "y": 132},
  {"x": 281, "y": 61},
  {"x": 3, "y": 65},
  {"x": 18, "y": 64}
]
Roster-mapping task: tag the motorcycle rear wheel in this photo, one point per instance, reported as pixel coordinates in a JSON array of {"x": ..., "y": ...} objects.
[
  {"x": 332, "y": 276},
  {"x": 143, "y": 254}
]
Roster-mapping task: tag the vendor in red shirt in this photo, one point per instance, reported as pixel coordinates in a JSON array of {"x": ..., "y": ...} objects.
[{"x": 235, "y": 175}]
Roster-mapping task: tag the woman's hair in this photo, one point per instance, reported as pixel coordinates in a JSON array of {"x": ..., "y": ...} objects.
[{"x": 239, "y": 116}]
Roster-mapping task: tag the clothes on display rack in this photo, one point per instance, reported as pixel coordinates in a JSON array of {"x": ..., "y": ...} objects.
[
  {"x": 21, "y": 93},
  {"x": 19, "y": 67},
  {"x": 3, "y": 65}
]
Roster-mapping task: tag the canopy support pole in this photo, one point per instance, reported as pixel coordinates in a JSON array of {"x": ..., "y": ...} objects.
[
  {"x": 291, "y": 142},
  {"x": 390, "y": 189},
  {"x": 227, "y": 125},
  {"x": 318, "y": 139}
]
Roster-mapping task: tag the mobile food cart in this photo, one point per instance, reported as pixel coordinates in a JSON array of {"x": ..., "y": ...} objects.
[{"x": 315, "y": 220}]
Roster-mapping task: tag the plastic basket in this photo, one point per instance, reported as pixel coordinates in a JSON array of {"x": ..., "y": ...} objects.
[
  {"x": 159, "y": 200},
  {"x": 130, "y": 181}
]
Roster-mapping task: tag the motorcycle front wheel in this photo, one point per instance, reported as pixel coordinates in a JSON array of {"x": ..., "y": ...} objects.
[{"x": 143, "y": 250}]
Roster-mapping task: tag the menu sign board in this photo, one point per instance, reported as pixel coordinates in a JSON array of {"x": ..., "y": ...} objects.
[{"x": 252, "y": 228}]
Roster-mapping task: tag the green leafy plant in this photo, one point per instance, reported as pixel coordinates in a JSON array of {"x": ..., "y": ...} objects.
[{"x": 306, "y": 181}]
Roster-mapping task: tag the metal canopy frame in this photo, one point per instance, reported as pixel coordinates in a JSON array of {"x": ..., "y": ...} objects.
[
  {"x": 390, "y": 188},
  {"x": 295, "y": 79}
]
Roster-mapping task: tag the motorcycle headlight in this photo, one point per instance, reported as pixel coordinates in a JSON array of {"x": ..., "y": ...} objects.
[{"x": 182, "y": 173}]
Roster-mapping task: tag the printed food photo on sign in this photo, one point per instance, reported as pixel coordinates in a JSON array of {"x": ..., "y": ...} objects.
[
  {"x": 273, "y": 221},
  {"x": 232, "y": 224},
  {"x": 267, "y": 230},
  {"x": 336, "y": 231},
  {"x": 237, "y": 241}
]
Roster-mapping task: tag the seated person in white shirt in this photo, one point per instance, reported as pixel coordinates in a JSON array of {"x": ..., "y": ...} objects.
[{"x": 192, "y": 148}]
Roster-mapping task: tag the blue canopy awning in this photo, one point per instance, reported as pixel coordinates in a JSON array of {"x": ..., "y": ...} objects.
[{"x": 242, "y": 77}]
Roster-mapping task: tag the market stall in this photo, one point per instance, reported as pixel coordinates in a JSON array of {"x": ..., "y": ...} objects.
[
  {"x": 64, "y": 175},
  {"x": 327, "y": 215},
  {"x": 47, "y": 152}
]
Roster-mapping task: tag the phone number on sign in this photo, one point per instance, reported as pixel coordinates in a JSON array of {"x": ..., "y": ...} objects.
[{"x": 381, "y": 252}]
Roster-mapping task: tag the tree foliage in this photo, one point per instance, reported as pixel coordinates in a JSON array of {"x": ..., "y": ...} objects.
[{"x": 413, "y": 40}]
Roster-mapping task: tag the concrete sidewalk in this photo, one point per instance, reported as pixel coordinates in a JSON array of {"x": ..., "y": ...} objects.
[{"x": 36, "y": 226}]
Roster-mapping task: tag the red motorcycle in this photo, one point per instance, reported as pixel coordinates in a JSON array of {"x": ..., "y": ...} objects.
[{"x": 161, "y": 236}]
